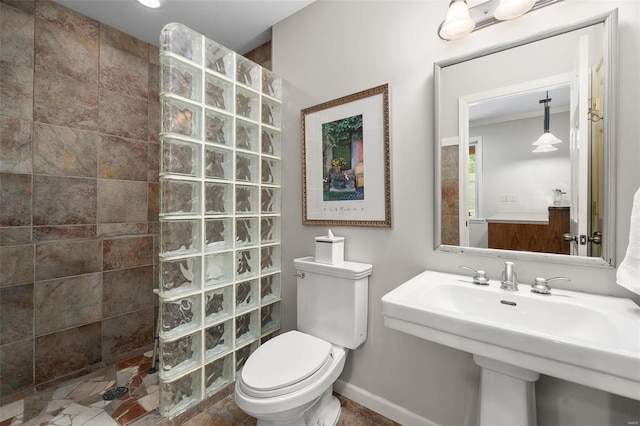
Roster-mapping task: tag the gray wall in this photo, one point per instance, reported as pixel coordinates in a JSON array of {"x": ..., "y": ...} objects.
[
  {"x": 510, "y": 168},
  {"x": 331, "y": 49}
]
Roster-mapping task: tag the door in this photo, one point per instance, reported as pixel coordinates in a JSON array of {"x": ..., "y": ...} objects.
[{"x": 579, "y": 148}]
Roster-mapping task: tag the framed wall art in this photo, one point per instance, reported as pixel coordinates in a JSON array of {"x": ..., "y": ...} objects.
[{"x": 346, "y": 172}]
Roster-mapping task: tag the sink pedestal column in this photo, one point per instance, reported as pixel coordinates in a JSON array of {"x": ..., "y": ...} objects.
[{"x": 507, "y": 394}]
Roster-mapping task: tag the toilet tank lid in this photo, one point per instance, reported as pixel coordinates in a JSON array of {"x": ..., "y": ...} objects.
[
  {"x": 285, "y": 360},
  {"x": 346, "y": 269}
]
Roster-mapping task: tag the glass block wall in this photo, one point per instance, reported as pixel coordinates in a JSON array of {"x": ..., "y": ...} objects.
[{"x": 219, "y": 215}]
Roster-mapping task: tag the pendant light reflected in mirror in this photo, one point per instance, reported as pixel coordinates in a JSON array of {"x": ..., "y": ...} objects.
[
  {"x": 545, "y": 148},
  {"x": 546, "y": 141}
]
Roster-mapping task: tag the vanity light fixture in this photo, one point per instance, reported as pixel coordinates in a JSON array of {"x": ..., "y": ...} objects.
[
  {"x": 458, "y": 22},
  {"x": 546, "y": 141},
  {"x": 510, "y": 9},
  {"x": 461, "y": 20},
  {"x": 152, "y": 4}
]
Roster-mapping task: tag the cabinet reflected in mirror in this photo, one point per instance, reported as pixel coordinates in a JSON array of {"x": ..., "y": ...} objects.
[{"x": 500, "y": 185}]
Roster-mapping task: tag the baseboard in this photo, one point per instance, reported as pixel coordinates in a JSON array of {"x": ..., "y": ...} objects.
[{"x": 380, "y": 405}]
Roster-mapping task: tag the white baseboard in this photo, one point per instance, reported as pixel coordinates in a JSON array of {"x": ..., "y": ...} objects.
[{"x": 380, "y": 405}]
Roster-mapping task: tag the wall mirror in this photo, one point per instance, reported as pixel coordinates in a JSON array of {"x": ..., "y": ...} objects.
[{"x": 525, "y": 152}]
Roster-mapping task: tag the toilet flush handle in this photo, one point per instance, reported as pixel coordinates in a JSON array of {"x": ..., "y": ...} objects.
[{"x": 300, "y": 275}]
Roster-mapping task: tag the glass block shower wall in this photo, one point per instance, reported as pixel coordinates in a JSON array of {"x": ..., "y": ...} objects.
[{"x": 219, "y": 215}]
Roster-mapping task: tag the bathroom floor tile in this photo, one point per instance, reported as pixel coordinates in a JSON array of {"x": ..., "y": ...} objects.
[{"x": 79, "y": 401}]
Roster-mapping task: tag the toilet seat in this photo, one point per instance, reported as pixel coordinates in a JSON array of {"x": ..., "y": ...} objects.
[{"x": 285, "y": 364}]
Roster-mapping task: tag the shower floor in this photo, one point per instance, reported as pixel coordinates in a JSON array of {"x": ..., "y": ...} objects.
[{"x": 80, "y": 402}]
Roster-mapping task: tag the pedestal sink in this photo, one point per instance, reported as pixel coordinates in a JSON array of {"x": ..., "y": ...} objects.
[{"x": 514, "y": 336}]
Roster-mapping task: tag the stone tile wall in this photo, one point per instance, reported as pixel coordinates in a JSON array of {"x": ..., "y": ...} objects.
[
  {"x": 79, "y": 119},
  {"x": 261, "y": 55},
  {"x": 450, "y": 203}
]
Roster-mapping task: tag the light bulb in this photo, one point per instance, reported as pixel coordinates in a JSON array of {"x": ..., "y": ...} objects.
[
  {"x": 458, "y": 22},
  {"x": 153, "y": 4},
  {"x": 509, "y": 9}
]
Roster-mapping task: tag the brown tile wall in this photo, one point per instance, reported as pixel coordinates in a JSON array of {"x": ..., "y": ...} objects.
[
  {"x": 79, "y": 119},
  {"x": 261, "y": 55},
  {"x": 450, "y": 202}
]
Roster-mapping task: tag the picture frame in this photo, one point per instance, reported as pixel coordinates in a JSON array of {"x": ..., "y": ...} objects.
[{"x": 337, "y": 137}]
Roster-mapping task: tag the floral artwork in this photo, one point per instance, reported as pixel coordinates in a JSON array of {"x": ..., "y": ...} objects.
[
  {"x": 338, "y": 136},
  {"x": 342, "y": 152}
]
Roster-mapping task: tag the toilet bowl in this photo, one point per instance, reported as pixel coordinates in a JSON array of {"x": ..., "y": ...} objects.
[{"x": 289, "y": 381}]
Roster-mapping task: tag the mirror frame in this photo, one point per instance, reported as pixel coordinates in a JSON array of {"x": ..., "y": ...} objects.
[{"x": 610, "y": 43}]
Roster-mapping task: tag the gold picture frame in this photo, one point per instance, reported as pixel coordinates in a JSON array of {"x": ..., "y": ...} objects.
[{"x": 337, "y": 137}]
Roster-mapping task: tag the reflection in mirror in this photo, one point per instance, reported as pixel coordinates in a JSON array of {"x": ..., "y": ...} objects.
[
  {"x": 508, "y": 182},
  {"x": 502, "y": 185}
]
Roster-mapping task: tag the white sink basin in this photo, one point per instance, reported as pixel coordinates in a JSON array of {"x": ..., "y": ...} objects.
[{"x": 588, "y": 339}]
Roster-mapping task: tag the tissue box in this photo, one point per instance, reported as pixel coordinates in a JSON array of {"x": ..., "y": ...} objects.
[{"x": 330, "y": 250}]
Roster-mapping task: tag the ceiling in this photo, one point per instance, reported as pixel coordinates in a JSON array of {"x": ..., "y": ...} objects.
[
  {"x": 510, "y": 107},
  {"x": 240, "y": 25}
]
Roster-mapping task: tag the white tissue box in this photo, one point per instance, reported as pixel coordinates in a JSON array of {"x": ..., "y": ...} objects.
[{"x": 330, "y": 250}]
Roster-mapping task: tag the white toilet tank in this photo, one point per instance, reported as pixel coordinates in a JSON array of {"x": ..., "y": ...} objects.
[{"x": 333, "y": 300}]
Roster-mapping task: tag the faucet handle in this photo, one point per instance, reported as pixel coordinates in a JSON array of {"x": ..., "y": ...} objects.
[
  {"x": 541, "y": 285},
  {"x": 480, "y": 277}
]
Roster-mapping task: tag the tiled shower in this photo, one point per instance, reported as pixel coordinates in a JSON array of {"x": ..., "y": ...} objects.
[
  {"x": 80, "y": 205},
  {"x": 449, "y": 180},
  {"x": 219, "y": 215},
  {"x": 79, "y": 120}
]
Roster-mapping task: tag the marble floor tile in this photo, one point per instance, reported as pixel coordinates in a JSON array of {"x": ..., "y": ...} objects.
[
  {"x": 63, "y": 391},
  {"x": 80, "y": 402}
]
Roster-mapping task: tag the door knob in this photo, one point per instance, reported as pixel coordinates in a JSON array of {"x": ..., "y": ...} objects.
[
  {"x": 597, "y": 238},
  {"x": 568, "y": 237}
]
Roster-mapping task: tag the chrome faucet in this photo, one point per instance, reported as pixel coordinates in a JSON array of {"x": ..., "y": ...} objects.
[{"x": 509, "y": 278}]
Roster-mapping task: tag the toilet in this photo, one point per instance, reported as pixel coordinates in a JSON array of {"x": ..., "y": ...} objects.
[{"x": 289, "y": 379}]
